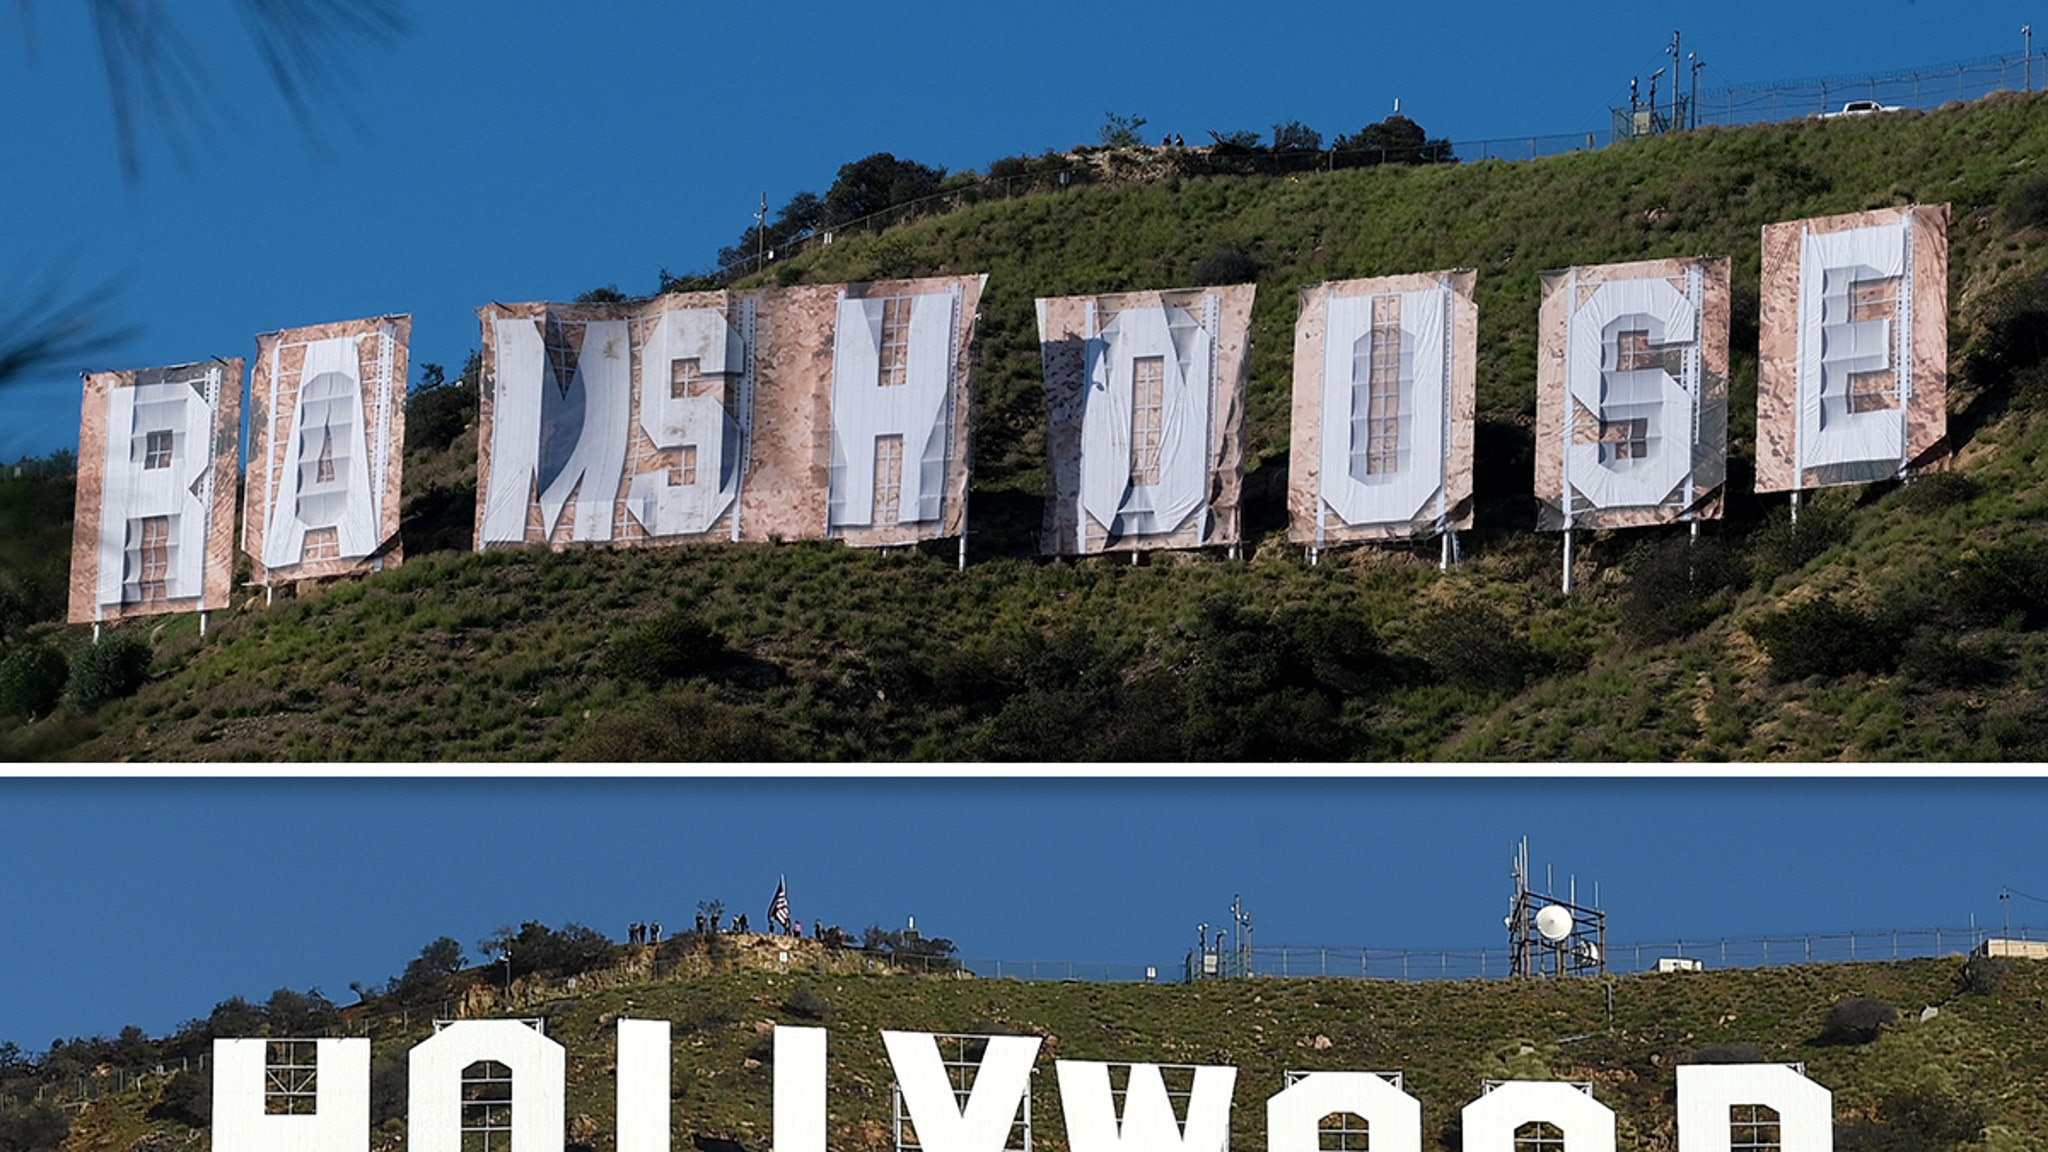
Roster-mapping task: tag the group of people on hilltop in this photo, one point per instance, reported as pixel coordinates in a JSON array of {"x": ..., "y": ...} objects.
[{"x": 778, "y": 918}]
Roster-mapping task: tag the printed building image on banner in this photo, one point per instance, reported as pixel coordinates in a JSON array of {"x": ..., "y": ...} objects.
[
  {"x": 1384, "y": 373},
  {"x": 153, "y": 530},
  {"x": 1632, "y": 394},
  {"x": 576, "y": 447},
  {"x": 326, "y": 449},
  {"x": 796, "y": 413},
  {"x": 1144, "y": 395},
  {"x": 1852, "y": 368}
]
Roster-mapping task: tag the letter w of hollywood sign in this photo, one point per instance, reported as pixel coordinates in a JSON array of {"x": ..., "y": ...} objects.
[{"x": 1708, "y": 1096}]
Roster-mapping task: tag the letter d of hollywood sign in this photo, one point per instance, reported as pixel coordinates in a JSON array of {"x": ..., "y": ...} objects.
[{"x": 504, "y": 1078}]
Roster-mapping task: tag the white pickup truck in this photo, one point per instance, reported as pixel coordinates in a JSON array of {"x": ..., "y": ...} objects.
[{"x": 1862, "y": 108}]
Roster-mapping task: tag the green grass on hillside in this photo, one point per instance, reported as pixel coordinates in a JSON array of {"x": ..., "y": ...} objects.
[{"x": 1982, "y": 1051}]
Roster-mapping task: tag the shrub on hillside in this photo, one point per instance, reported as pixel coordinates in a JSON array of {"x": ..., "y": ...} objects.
[
  {"x": 1914, "y": 1120},
  {"x": 1823, "y": 638},
  {"x": 1857, "y": 1020},
  {"x": 1227, "y": 264},
  {"x": 1938, "y": 492},
  {"x": 1781, "y": 546},
  {"x": 537, "y": 948},
  {"x": 805, "y": 1004},
  {"x": 2029, "y": 205},
  {"x": 2005, "y": 584},
  {"x": 32, "y": 680},
  {"x": 1979, "y": 975},
  {"x": 1931, "y": 654},
  {"x": 33, "y": 1126},
  {"x": 1679, "y": 587},
  {"x": 113, "y": 668},
  {"x": 687, "y": 725},
  {"x": 669, "y": 647},
  {"x": 1120, "y": 131},
  {"x": 1473, "y": 646},
  {"x": 2009, "y": 355},
  {"x": 438, "y": 409},
  {"x": 187, "y": 1099},
  {"x": 1294, "y": 136}
]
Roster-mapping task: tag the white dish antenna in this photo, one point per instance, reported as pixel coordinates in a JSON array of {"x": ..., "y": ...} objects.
[
  {"x": 1555, "y": 922},
  {"x": 1587, "y": 951}
]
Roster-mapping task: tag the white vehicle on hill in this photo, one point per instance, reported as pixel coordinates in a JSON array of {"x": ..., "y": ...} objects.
[{"x": 1862, "y": 108}]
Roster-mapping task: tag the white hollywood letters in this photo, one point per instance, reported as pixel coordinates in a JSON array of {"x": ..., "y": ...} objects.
[
  {"x": 446, "y": 1096},
  {"x": 1393, "y": 1118}
]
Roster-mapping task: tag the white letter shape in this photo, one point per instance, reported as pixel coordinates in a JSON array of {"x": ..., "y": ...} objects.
[
  {"x": 434, "y": 1083},
  {"x": 1490, "y": 1121},
  {"x": 592, "y": 470},
  {"x": 799, "y": 1089},
  {"x": 1393, "y": 1118},
  {"x": 1806, "y": 1113},
  {"x": 942, "y": 1123},
  {"x": 866, "y": 408},
  {"x": 643, "y": 1086},
  {"x": 1148, "y": 1123},
  {"x": 340, "y": 1121}
]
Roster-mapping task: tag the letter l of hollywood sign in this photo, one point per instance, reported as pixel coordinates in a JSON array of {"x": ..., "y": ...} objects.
[{"x": 340, "y": 1121}]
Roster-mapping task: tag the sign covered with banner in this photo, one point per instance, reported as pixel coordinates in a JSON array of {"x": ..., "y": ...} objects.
[
  {"x": 795, "y": 413},
  {"x": 153, "y": 528},
  {"x": 1383, "y": 407},
  {"x": 1852, "y": 368},
  {"x": 326, "y": 449},
  {"x": 1144, "y": 418},
  {"x": 1632, "y": 394}
]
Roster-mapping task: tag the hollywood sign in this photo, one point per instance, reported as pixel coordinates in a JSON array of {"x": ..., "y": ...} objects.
[{"x": 1768, "y": 1105}]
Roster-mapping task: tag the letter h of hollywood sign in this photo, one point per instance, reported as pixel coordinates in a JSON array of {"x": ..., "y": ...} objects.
[{"x": 1773, "y": 1106}]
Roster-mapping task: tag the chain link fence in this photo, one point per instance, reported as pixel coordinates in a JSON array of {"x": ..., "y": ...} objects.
[
  {"x": 1923, "y": 87},
  {"x": 1285, "y": 961}
]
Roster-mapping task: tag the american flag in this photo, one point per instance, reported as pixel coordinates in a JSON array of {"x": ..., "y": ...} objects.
[{"x": 778, "y": 908}]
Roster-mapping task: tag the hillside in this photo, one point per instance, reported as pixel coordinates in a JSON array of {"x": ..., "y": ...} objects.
[
  {"x": 1959, "y": 1068},
  {"x": 1892, "y": 622}
]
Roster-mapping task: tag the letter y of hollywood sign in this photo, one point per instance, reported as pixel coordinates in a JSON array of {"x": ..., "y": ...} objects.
[{"x": 267, "y": 1099}]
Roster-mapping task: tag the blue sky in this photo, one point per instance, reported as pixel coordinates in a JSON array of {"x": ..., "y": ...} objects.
[
  {"x": 148, "y": 902},
  {"x": 521, "y": 150}
]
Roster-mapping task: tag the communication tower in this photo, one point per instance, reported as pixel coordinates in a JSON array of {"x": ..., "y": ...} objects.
[{"x": 1549, "y": 936}]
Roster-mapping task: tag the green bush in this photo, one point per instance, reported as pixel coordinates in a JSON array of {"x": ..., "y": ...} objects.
[
  {"x": 2006, "y": 584},
  {"x": 113, "y": 668},
  {"x": 1915, "y": 1120},
  {"x": 1979, "y": 975},
  {"x": 2029, "y": 206},
  {"x": 1857, "y": 1020},
  {"x": 805, "y": 1004},
  {"x": 1474, "y": 646},
  {"x": 438, "y": 410},
  {"x": 33, "y": 1126},
  {"x": 1823, "y": 638},
  {"x": 1227, "y": 264},
  {"x": 1679, "y": 587},
  {"x": 1781, "y": 546},
  {"x": 32, "y": 680},
  {"x": 187, "y": 1099},
  {"x": 668, "y": 647},
  {"x": 1939, "y": 492}
]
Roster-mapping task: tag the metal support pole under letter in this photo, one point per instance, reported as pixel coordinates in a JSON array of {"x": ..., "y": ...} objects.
[
  {"x": 1443, "y": 563},
  {"x": 202, "y": 624},
  {"x": 1795, "y": 506},
  {"x": 1567, "y": 561}
]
